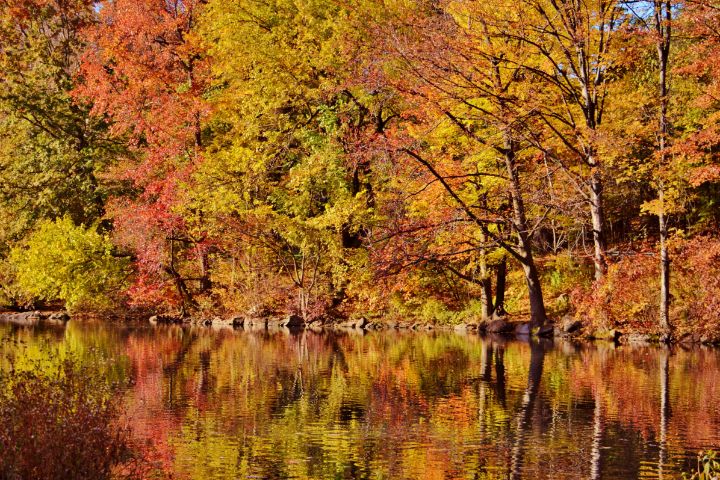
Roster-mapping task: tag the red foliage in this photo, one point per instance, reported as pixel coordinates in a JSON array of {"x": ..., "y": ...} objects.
[
  {"x": 699, "y": 22},
  {"x": 627, "y": 298},
  {"x": 146, "y": 77},
  {"x": 59, "y": 426}
]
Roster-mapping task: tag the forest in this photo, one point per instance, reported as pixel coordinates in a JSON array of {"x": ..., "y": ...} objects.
[{"x": 449, "y": 161}]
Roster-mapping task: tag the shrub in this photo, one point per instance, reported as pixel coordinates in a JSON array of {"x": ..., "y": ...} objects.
[
  {"x": 62, "y": 261},
  {"x": 708, "y": 467},
  {"x": 435, "y": 311},
  {"x": 628, "y": 296}
]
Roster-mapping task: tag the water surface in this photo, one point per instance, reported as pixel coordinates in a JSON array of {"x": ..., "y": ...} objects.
[{"x": 234, "y": 404}]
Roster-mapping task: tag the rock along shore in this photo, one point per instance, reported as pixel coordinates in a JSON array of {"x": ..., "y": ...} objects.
[
  {"x": 34, "y": 317},
  {"x": 567, "y": 327}
]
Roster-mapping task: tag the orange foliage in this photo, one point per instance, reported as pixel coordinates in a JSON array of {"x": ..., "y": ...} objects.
[{"x": 627, "y": 297}]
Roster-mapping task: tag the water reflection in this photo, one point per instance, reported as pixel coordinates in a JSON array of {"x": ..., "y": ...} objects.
[{"x": 227, "y": 404}]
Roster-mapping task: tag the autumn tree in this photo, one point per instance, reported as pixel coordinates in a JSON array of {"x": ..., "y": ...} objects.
[
  {"x": 700, "y": 55},
  {"x": 52, "y": 151},
  {"x": 282, "y": 192},
  {"x": 145, "y": 74},
  {"x": 565, "y": 51},
  {"x": 461, "y": 83}
]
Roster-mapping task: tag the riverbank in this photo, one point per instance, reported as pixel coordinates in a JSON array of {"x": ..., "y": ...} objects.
[{"x": 567, "y": 327}]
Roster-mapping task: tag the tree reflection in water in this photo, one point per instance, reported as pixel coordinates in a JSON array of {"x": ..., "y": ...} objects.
[{"x": 219, "y": 404}]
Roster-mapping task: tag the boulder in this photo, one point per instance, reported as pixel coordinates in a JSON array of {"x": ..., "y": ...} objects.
[
  {"x": 357, "y": 323},
  {"x": 292, "y": 321},
  {"x": 570, "y": 324},
  {"x": 499, "y": 326},
  {"x": 165, "y": 320},
  {"x": 361, "y": 322},
  {"x": 605, "y": 334},
  {"x": 376, "y": 326},
  {"x": 237, "y": 321},
  {"x": 522, "y": 329},
  {"x": 547, "y": 330},
  {"x": 23, "y": 318},
  {"x": 59, "y": 317},
  {"x": 422, "y": 326}
]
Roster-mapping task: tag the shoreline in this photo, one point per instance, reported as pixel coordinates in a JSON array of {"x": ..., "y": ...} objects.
[{"x": 567, "y": 328}]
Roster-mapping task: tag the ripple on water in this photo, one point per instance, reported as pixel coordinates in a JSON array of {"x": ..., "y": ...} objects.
[{"x": 387, "y": 405}]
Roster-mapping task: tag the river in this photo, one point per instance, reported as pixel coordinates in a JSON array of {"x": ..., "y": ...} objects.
[{"x": 216, "y": 404}]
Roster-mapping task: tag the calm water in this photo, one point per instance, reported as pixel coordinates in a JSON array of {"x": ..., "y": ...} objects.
[{"x": 234, "y": 404}]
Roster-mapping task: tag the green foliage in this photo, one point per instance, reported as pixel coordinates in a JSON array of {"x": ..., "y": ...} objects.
[
  {"x": 51, "y": 149},
  {"x": 62, "y": 261},
  {"x": 276, "y": 165},
  {"x": 434, "y": 311},
  {"x": 562, "y": 274},
  {"x": 708, "y": 467}
]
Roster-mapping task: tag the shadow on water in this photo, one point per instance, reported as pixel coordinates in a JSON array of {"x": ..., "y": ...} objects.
[{"x": 281, "y": 404}]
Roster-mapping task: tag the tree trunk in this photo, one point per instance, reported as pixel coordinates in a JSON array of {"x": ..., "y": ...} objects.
[
  {"x": 597, "y": 216},
  {"x": 487, "y": 297},
  {"x": 501, "y": 275},
  {"x": 180, "y": 285},
  {"x": 205, "y": 283},
  {"x": 532, "y": 280},
  {"x": 664, "y": 272},
  {"x": 663, "y": 23}
]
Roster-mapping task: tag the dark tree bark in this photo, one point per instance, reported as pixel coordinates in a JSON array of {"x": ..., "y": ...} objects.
[{"x": 501, "y": 275}]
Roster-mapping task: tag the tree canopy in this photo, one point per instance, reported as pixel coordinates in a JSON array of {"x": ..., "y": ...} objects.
[{"x": 442, "y": 159}]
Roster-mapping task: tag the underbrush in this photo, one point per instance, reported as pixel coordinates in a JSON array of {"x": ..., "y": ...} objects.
[{"x": 628, "y": 297}]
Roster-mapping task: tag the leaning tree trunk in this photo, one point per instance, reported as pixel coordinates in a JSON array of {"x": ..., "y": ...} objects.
[{"x": 524, "y": 245}]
